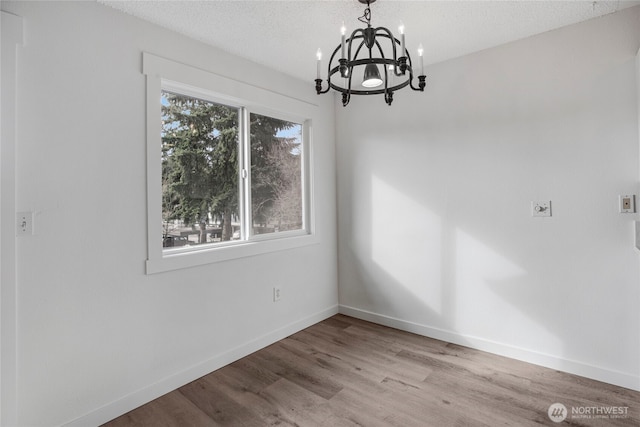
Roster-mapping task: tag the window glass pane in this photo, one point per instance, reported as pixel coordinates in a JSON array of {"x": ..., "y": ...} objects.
[
  {"x": 199, "y": 171},
  {"x": 276, "y": 175}
]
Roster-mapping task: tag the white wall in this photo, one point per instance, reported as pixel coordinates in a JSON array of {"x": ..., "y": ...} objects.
[
  {"x": 11, "y": 33},
  {"x": 435, "y": 233},
  {"x": 96, "y": 336},
  {"x": 435, "y": 230}
]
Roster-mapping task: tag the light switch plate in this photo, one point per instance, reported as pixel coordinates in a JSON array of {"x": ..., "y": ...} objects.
[
  {"x": 24, "y": 223},
  {"x": 541, "y": 208}
]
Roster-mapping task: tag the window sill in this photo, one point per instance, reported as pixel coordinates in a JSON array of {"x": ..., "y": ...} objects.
[{"x": 211, "y": 255}]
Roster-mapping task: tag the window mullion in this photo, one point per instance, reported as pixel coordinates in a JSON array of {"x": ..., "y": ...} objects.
[{"x": 245, "y": 174}]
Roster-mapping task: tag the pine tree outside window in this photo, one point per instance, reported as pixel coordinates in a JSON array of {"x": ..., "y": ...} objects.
[
  {"x": 202, "y": 174},
  {"x": 199, "y": 171},
  {"x": 227, "y": 176}
]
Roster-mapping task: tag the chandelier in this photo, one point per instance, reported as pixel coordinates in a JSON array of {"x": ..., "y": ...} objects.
[{"x": 365, "y": 53}]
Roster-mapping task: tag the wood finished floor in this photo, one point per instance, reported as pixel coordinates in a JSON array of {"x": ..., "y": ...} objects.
[{"x": 347, "y": 372}]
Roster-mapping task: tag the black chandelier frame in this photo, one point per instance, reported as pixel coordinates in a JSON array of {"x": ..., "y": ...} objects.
[{"x": 401, "y": 66}]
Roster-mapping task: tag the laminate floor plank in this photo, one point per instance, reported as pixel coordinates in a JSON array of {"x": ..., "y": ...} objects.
[
  {"x": 366, "y": 356},
  {"x": 297, "y": 370},
  {"x": 305, "y": 408},
  {"x": 353, "y": 368},
  {"x": 485, "y": 401},
  {"x": 206, "y": 394},
  {"x": 349, "y": 372},
  {"x": 170, "y": 410},
  {"x": 393, "y": 407},
  {"x": 251, "y": 374},
  {"x": 258, "y": 405}
]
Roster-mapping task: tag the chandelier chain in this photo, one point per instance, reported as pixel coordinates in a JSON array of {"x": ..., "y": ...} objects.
[{"x": 366, "y": 18}]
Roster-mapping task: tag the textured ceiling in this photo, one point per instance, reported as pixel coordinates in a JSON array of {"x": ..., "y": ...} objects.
[{"x": 284, "y": 35}]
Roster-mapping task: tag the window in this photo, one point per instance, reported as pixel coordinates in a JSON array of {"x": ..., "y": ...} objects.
[
  {"x": 200, "y": 191},
  {"x": 226, "y": 177},
  {"x": 202, "y": 175},
  {"x": 276, "y": 175}
]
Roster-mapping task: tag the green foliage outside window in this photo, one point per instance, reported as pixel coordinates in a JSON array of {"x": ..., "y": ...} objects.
[{"x": 200, "y": 172}]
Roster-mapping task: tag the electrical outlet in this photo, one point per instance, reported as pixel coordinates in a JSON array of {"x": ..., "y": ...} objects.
[
  {"x": 277, "y": 294},
  {"x": 24, "y": 223},
  {"x": 627, "y": 203}
]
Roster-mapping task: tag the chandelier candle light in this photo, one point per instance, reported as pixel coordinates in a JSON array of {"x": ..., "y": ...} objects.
[{"x": 367, "y": 48}]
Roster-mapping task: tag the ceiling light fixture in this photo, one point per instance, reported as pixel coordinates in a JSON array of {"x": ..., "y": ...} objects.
[{"x": 361, "y": 54}]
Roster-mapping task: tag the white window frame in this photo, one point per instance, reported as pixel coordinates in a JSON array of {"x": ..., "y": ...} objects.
[{"x": 164, "y": 74}]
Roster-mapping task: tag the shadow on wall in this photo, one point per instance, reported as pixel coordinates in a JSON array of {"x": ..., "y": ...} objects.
[
  {"x": 434, "y": 201},
  {"x": 413, "y": 262}
]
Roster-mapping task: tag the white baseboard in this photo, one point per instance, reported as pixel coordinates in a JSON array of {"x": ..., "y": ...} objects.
[
  {"x": 621, "y": 379},
  {"x": 153, "y": 391}
]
